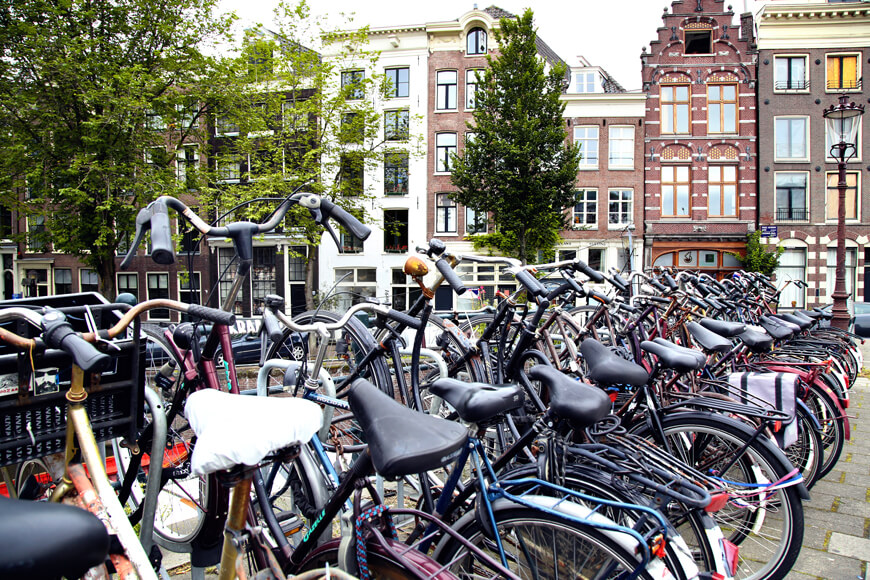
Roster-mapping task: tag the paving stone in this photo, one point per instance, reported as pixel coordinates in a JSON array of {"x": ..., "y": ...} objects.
[
  {"x": 841, "y": 489},
  {"x": 826, "y": 565},
  {"x": 849, "y": 546},
  {"x": 854, "y": 507},
  {"x": 848, "y": 467},
  {"x": 857, "y": 480},
  {"x": 844, "y": 523},
  {"x": 821, "y": 501}
]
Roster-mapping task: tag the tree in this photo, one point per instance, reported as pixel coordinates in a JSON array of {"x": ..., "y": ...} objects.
[
  {"x": 757, "y": 258},
  {"x": 83, "y": 86},
  {"x": 518, "y": 166}
]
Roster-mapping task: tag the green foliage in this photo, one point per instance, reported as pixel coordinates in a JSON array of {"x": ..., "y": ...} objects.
[
  {"x": 518, "y": 167},
  {"x": 757, "y": 258}
]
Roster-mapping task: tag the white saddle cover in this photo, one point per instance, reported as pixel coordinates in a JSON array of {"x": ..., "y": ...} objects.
[{"x": 241, "y": 430}]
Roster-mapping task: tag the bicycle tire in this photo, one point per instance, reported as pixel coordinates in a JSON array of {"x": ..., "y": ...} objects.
[
  {"x": 831, "y": 417},
  {"x": 536, "y": 534},
  {"x": 705, "y": 440},
  {"x": 380, "y": 563},
  {"x": 807, "y": 453}
]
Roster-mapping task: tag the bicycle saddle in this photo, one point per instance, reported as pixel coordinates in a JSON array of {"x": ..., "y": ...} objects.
[
  {"x": 678, "y": 358},
  {"x": 811, "y": 314},
  {"x": 801, "y": 321},
  {"x": 756, "y": 341},
  {"x": 608, "y": 368},
  {"x": 49, "y": 540},
  {"x": 478, "y": 402},
  {"x": 241, "y": 430},
  {"x": 723, "y": 327},
  {"x": 778, "y": 329},
  {"x": 709, "y": 340},
  {"x": 403, "y": 441},
  {"x": 581, "y": 404},
  {"x": 824, "y": 314}
]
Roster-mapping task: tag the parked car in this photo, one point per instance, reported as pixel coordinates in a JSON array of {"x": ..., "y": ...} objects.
[{"x": 860, "y": 317}]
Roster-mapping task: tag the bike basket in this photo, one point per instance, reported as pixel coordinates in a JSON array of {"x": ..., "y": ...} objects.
[{"x": 32, "y": 392}]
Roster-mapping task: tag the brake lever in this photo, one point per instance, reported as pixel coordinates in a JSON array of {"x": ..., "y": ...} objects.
[
  {"x": 143, "y": 224},
  {"x": 319, "y": 218}
]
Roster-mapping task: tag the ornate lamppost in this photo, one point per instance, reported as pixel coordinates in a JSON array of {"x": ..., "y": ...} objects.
[{"x": 841, "y": 126}]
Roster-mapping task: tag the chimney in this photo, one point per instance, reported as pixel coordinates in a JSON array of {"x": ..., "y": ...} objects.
[{"x": 747, "y": 28}]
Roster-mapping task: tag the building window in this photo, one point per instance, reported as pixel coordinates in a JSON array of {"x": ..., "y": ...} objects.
[
  {"x": 189, "y": 288},
  {"x": 476, "y": 221},
  {"x": 619, "y": 208},
  {"x": 396, "y": 230},
  {"x": 89, "y": 280},
  {"x": 63, "y": 281},
  {"x": 351, "y": 174},
  {"x": 225, "y": 126},
  {"x": 445, "y": 90},
  {"x": 403, "y": 290},
  {"x": 264, "y": 162},
  {"x": 595, "y": 259},
  {"x": 792, "y": 266},
  {"x": 676, "y": 192},
  {"x": 263, "y": 278},
  {"x": 722, "y": 191},
  {"x": 445, "y": 149},
  {"x": 158, "y": 288},
  {"x": 483, "y": 280},
  {"x": 675, "y": 106},
  {"x": 294, "y": 119},
  {"x": 227, "y": 276},
  {"x": 445, "y": 214},
  {"x": 699, "y": 41},
  {"x": 833, "y": 179},
  {"x": 154, "y": 121},
  {"x": 350, "y": 244},
  {"x": 791, "y": 196},
  {"x": 476, "y": 41},
  {"x": 128, "y": 283},
  {"x": 352, "y": 128},
  {"x": 354, "y": 285},
  {"x": 396, "y": 173},
  {"x": 585, "y": 81},
  {"x": 352, "y": 83},
  {"x": 790, "y": 73},
  {"x": 831, "y": 277},
  {"x": 587, "y": 137},
  {"x": 843, "y": 73},
  {"x": 186, "y": 164},
  {"x": 229, "y": 169},
  {"x": 396, "y": 125},
  {"x": 620, "y": 148},
  {"x": 585, "y": 208},
  {"x": 5, "y": 222},
  {"x": 397, "y": 82},
  {"x": 858, "y": 139},
  {"x": 722, "y": 108},
  {"x": 36, "y": 233},
  {"x": 471, "y": 80},
  {"x": 792, "y": 136}
]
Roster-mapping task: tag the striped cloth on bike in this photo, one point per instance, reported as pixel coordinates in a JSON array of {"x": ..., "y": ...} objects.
[{"x": 778, "y": 391}]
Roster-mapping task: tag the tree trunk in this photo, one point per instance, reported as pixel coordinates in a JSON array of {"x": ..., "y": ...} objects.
[
  {"x": 310, "y": 276},
  {"x": 106, "y": 272}
]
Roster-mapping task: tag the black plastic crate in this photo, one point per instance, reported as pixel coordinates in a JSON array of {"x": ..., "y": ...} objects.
[{"x": 33, "y": 404}]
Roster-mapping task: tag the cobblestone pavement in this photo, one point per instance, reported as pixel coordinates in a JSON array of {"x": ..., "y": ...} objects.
[{"x": 836, "y": 519}]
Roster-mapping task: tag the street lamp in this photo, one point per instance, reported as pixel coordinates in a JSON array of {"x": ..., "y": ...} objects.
[{"x": 841, "y": 126}]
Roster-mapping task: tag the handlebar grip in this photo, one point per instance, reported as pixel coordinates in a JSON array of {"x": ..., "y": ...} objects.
[
  {"x": 406, "y": 319},
  {"x": 272, "y": 326},
  {"x": 698, "y": 302},
  {"x": 58, "y": 333},
  {"x": 162, "y": 246},
  {"x": 657, "y": 285},
  {"x": 212, "y": 314},
  {"x": 450, "y": 276},
  {"x": 531, "y": 283},
  {"x": 598, "y": 296},
  {"x": 348, "y": 221},
  {"x": 703, "y": 289},
  {"x": 657, "y": 299},
  {"x": 593, "y": 275},
  {"x": 671, "y": 283},
  {"x": 627, "y": 307},
  {"x": 617, "y": 283}
]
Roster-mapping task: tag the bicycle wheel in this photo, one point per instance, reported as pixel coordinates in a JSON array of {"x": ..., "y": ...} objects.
[
  {"x": 807, "y": 452},
  {"x": 831, "y": 417},
  {"x": 543, "y": 546},
  {"x": 768, "y": 525},
  {"x": 381, "y": 563},
  {"x": 183, "y": 500}
]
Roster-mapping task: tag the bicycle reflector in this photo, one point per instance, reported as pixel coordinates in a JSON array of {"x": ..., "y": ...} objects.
[
  {"x": 717, "y": 502},
  {"x": 731, "y": 552}
]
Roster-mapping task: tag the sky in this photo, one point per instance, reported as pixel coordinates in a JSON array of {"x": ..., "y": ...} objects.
[{"x": 609, "y": 33}]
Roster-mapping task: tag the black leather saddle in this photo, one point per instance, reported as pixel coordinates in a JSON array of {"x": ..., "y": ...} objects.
[
  {"x": 49, "y": 540},
  {"x": 815, "y": 315},
  {"x": 401, "y": 440},
  {"x": 478, "y": 402},
  {"x": 672, "y": 356},
  {"x": 775, "y": 328},
  {"x": 709, "y": 340},
  {"x": 723, "y": 327},
  {"x": 756, "y": 341},
  {"x": 803, "y": 321},
  {"x": 581, "y": 404},
  {"x": 607, "y": 368}
]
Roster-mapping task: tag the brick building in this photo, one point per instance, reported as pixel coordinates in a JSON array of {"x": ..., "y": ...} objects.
[
  {"x": 809, "y": 53},
  {"x": 700, "y": 145}
]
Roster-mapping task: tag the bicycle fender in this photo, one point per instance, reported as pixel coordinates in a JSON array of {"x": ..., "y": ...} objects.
[{"x": 816, "y": 425}]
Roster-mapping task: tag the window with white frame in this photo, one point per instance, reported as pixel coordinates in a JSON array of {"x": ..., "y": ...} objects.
[
  {"x": 676, "y": 193},
  {"x": 445, "y": 149},
  {"x": 396, "y": 231},
  {"x": 619, "y": 205},
  {"x": 445, "y": 214},
  {"x": 858, "y": 138},
  {"x": 352, "y": 82},
  {"x": 63, "y": 281},
  {"x": 36, "y": 233},
  {"x": 843, "y": 72},
  {"x": 585, "y": 208},
  {"x": 471, "y": 81},
  {"x": 790, "y": 73},
  {"x": 264, "y": 280},
  {"x": 186, "y": 164},
  {"x": 129, "y": 283},
  {"x": 584, "y": 82},
  {"x": 675, "y": 108},
  {"x": 791, "y": 196},
  {"x": 791, "y": 135},
  {"x": 225, "y": 126},
  {"x": 229, "y": 168},
  {"x": 833, "y": 197},
  {"x": 354, "y": 285},
  {"x": 792, "y": 267},
  {"x": 445, "y": 90},
  {"x": 295, "y": 120},
  {"x": 476, "y": 221},
  {"x": 158, "y": 288},
  {"x": 722, "y": 191},
  {"x": 396, "y": 173},
  {"x": 621, "y": 148},
  {"x": 587, "y": 137},
  {"x": 403, "y": 290},
  {"x": 397, "y": 82},
  {"x": 722, "y": 108},
  {"x": 396, "y": 125},
  {"x": 476, "y": 41},
  {"x": 831, "y": 276},
  {"x": 595, "y": 258},
  {"x": 189, "y": 288}
]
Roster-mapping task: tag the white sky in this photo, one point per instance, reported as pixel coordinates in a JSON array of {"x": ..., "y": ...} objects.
[{"x": 609, "y": 33}]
